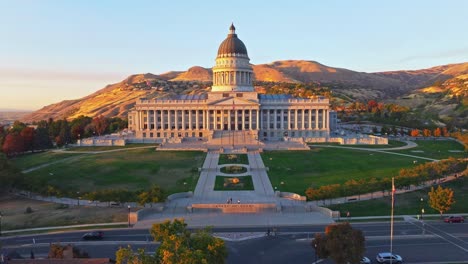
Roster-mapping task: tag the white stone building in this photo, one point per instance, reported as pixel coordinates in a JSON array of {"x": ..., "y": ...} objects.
[{"x": 233, "y": 106}]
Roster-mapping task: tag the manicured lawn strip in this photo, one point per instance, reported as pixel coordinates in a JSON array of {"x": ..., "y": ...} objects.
[
  {"x": 240, "y": 159},
  {"x": 299, "y": 170},
  {"x": 391, "y": 144},
  {"x": 407, "y": 203},
  {"x": 103, "y": 148},
  {"x": 436, "y": 149},
  {"x": 28, "y": 161},
  {"x": 233, "y": 169},
  {"x": 245, "y": 184},
  {"x": 130, "y": 170}
]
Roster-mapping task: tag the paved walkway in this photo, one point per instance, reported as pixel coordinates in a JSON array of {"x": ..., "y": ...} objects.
[{"x": 204, "y": 191}]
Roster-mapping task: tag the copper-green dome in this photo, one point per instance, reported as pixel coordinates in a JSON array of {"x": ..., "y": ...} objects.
[{"x": 232, "y": 44}]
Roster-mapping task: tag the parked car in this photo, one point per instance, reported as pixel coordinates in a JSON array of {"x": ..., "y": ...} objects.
[
  {"x": 95, "y": 235},
  {"x": 387, "y": 257},
  {"x": 454, "y": 219},
  {"x": 365, "y": 260}
]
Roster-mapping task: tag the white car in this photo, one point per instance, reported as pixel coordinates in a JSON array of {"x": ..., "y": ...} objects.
[
  {"x": 387, "y": 257},
  {"x": 365, "y": 260}
]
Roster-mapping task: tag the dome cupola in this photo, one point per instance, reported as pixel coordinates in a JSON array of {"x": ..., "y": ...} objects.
[{"x": 232, "y": 45}]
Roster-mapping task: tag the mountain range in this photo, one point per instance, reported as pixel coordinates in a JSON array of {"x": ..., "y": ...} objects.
[{"x": 116, "y": 99}]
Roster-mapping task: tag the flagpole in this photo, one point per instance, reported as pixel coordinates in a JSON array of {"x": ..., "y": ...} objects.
[{"x": 391, "y": 218}]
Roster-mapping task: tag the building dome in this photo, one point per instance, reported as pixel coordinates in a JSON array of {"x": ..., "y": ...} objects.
[{"x": 232, "y": 44}]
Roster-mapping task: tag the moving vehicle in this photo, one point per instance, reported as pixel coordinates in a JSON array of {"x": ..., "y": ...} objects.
[
  {"x": 454, "y": 219},
  {"x": 386, "y": 257},
  {"x": 365, "y": 260},
  {"x": 95, "y": 235}
]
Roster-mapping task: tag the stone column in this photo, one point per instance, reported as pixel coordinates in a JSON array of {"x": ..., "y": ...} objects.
[
  {"x": 169, "y": 117},
  {"x": 275, "y": 121},
  {"x": 268, "y": 119},
  {"x": 229, "y": 119},
  {"x": 176, "y": 119},
  {"x": 289, "y": 119},
  {"x": 243, "y": 119},
  {"x": 316, "y": 119},
  {"x": 257, "y": 126},
  {"x": 235, "y": 120},
  {"x": 295, "y": 119},
  {"x": 183, "y": 119},
  {"x": 323, "y": 118},
  {"x": 282, "y": 119},
  {"x": 250, "y": 119},
  {"x": 154, "y": 119},
  {"x": 310, "y": 119},
  {"x": 303, "y": 119}
]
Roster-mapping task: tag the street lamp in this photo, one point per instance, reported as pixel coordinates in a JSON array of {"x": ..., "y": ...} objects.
[
  {"x": 78, "y": 193},
  {"x": 128, "y": 215},
  {"x": 422, "y": 208},
  {"x": 0, "y": 223},
  {"x": 315, "y": 251}
]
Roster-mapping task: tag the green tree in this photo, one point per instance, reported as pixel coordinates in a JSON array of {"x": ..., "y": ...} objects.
[
  {"x": 441, "y": 199},
  {"x": 178, "y": 245},
  {"x": 342, "y": 243}
]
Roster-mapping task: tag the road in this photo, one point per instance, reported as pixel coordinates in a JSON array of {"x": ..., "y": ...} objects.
[{"x": 435, "y": 242}]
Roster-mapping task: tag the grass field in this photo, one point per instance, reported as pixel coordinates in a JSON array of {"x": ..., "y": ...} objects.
[
  {"x": 28, "y": 161},
  {"x": 391, "y": 144},
  {"x": 321, "y": 166},
  {"x": 436, "y": 149},
  {"x": 131, "y": 170},
  {"x": 233, "y": 159},
  {"x": 408, "y": 203},
  {"x": 223, "y": 183},
  {"x": 50, "y": 214},
  {"x": 104, "y": 148}
]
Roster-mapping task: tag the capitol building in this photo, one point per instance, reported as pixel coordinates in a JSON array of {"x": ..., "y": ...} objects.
[{"x": 233, "y": 108}]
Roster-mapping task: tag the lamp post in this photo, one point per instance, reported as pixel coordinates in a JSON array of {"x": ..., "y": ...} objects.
[
  {"x": 78, "y": 193},
  {"x": 315, "y": 251},
  {"x": 128, "y": 215},
  {"x": 422, "y": 208},
  {"x": 1, "y": 223}
]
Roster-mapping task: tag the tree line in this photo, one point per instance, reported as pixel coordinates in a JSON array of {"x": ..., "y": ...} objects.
[
  {"x": 42, "y": 135},
  {"x": 406, "y": 177}
]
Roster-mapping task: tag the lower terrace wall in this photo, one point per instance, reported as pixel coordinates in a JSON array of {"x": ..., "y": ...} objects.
[
  {"x": 100, "y": 142},
  {"x": 369, "y": 140}
]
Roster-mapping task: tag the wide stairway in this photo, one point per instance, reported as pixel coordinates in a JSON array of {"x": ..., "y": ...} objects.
[{"x": 234, "y": 139}]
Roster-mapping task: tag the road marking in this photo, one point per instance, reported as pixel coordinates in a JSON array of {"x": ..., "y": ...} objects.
[
  {"x": 453, "y": 243},
  {"x": 87, "y": 243}
]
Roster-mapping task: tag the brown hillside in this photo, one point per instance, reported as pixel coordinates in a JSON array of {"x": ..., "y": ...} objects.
[
  {"x": 117, "y": 99},
  {"x": 195, "y": 73}
]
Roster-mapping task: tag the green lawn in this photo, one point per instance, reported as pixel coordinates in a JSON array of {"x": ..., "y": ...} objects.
[
  {"x": 28, "y": 161},
  {"x": 322, "y": 166},
  {"x": 391, "y": 144},
  {"x": 103, "y": 148},
  {"x": 131, "y": 170},
  {"x": 436, "y": 149},
  {"x": 408, "y": 203},
  {"x": 223, "y": 183},
  {"x": 233, "y": 159}
]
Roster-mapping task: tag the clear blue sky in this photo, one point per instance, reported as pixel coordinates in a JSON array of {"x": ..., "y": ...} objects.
[{"x": 56, "y": 50}]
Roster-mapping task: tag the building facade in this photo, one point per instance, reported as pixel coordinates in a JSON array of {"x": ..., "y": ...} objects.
[{"x": 232, "y": 105}]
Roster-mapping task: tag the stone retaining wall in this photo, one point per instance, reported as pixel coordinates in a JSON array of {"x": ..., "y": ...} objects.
[
  {"x": 236, "y": 208},
  {"x": 100, "y": 142},
  {"x": 174, "y": 196}
]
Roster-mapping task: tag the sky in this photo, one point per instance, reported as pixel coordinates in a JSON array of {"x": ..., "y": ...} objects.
[{"x": 60, "y": 50}]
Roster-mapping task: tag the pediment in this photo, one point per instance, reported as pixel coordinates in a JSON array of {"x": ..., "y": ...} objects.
[{"x": 233, "y": 101}]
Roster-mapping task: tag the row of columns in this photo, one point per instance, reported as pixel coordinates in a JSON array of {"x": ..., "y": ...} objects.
[
  {"x": 232, "y": 78},
  {"x": 297, "y": 124},
  {"x": 201, "y": 119}
]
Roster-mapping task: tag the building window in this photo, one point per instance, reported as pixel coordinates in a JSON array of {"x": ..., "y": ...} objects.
[
  {"x": 240, "y": 95},
  {"x": 144, "y": 135},
  {"x": 225, "y": 94},
  {"x": 151, "y": 135}
]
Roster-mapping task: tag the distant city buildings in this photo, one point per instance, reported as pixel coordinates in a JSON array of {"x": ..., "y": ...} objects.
[{"x": 232, "y": 105}]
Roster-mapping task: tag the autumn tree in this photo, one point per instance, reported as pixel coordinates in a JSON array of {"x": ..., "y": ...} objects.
[
  {"x": 178, "y": 245},
  {"x": 100, "y": 124},
  {"x": 13, "y": 144},
  {"x": 426, "y": 132},
  {"x": 28, "y": 134},
  {"x": 414, "y": 133},
  {"x": 342, "y": 243},
  {"x": 154, "y": 195},
  {"x": 437, "y": 132},
  {"x": 441, "y": 199}
]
